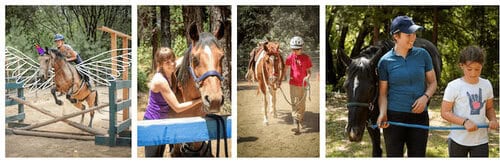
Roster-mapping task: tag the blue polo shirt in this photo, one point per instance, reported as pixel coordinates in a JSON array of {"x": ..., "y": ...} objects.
[{"x": 406, "y": 77}]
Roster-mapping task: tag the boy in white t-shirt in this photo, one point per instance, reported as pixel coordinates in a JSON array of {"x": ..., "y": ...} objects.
[{"x": 468, "y": 101}]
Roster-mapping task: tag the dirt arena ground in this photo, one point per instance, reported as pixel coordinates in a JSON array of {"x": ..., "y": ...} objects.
[
  {"x": 277, "y": 139},
  {"x": 29, "y": 146}
]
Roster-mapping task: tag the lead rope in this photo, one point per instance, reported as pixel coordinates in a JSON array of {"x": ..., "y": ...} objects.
[
  {"x": 308, "y": 87},
  {"x": 220, "y": 122}
]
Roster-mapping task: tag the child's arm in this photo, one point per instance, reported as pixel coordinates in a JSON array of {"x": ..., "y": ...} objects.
[
  {"x": 491, "y": 115},
  {"x": 447, "y": 114}
]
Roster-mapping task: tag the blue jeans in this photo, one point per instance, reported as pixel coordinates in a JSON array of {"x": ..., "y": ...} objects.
[
  {"x": 397, "y": 136},
  {"x": 457, "y": 150}
]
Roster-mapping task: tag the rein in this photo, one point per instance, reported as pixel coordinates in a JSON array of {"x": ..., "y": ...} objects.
[{"x": 205, "y": 75}]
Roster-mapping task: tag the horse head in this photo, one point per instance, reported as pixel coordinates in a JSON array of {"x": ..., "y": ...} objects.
[
  {"x": 205, "y": 66},
  {"x": 361, "y": 87},
  {"x": 273, "y": 65},
  {"x": 46, "y": 61}
]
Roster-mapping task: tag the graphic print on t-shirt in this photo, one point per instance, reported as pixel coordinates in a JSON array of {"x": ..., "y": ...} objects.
[{"x": 476, "y": 102}]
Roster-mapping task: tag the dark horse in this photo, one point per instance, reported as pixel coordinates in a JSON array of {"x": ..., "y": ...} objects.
[
  {"x": 67, "y": 80},
  {"x": 362, "y": 88},
  {"x": 200, "y": 76}
]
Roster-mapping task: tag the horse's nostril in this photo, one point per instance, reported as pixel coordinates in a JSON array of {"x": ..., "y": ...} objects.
[{"x": 207, "y": 99}]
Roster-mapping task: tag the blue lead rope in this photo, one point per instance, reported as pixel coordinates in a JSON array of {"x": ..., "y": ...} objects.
[{"x": 428, "y": 127}]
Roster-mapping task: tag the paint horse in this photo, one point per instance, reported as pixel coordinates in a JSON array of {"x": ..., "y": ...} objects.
[
  {"x": 362, "y": 89},
  {"x": 67, "y": 81},
  {"x": 199, "y": 76},
  {"x": 267, "y": 68}
]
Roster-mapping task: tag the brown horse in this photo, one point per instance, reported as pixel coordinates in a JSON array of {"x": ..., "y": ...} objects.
[
  {"x": 67, "y": 80},
  {"x": 199, "y": 76},
  {"x": 268, "y": 72}
]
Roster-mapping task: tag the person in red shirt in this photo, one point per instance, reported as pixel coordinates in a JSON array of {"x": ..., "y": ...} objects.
[{"x": 300, "y": 70}]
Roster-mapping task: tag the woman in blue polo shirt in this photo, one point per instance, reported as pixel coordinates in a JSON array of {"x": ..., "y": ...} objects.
[{"x": 406, "y": 83}]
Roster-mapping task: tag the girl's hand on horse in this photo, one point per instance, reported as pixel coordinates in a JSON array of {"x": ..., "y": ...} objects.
[
  {"x": 419, "y": 105},
  {"x": 382, "y": 120},
  {"x": 470, "y": 126},
  {"x": 493, "y": 124}
]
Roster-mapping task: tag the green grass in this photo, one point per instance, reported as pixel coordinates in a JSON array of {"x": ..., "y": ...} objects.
[{"x": 337, "y": 144}]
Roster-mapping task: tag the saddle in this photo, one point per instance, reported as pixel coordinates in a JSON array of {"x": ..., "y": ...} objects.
[{"x": 250, "y": 75}]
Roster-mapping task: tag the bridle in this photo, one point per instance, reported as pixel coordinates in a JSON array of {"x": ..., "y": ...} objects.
[{"x": 205, "y": 75}]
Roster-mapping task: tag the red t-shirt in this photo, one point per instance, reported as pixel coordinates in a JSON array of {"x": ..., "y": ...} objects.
[{"x": 299, "y": 64}]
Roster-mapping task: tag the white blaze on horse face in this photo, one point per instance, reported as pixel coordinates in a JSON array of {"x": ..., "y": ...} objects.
[
  {"x": 355, "y": 86},
  {"x": 208, "y": 51}
]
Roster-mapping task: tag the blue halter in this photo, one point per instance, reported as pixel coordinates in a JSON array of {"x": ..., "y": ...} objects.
[{"x": 205, "y": 75}]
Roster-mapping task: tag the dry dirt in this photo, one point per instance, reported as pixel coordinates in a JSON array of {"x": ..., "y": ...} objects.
[
  {"x": 30, "y": 146},
  {"x": 276, "y": 139}
]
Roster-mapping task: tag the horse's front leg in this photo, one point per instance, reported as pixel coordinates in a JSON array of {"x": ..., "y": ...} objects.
[
  {"x": 266, "y": 122},
  {"x": 272, "y": 97},
  {"x": 53, "y": 91},
  {"x": 375, "y": 136}
]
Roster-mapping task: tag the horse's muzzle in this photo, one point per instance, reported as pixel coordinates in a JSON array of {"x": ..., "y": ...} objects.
[{"x": 355, "y": 134}]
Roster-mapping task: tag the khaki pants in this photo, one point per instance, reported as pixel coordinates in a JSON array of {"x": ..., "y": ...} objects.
[{"x": 297, "y": 93}]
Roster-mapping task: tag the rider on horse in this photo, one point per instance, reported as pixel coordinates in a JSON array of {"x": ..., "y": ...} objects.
[{"x": 71, "y": 55}]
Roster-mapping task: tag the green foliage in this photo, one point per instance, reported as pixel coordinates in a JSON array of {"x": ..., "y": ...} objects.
[
  {"x": 280, "y": 23},
  {"x": 458, "y": 27},
  {"x": 145, "y": 70},
  {"x": 26, "y": 25}
]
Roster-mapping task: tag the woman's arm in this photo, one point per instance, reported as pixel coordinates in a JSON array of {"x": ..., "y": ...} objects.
[
  {"x": 382, "y": 104},
  {"x": 72, "y": 55},
  {"x": 164, "y": 88},
  {"x": 431, "y": 84}
]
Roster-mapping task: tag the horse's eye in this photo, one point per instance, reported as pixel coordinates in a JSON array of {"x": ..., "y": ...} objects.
[{"x": 196, "y": 61}]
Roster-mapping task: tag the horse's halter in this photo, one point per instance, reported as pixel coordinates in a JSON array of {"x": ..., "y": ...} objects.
[{"x": 205, "y": 75}]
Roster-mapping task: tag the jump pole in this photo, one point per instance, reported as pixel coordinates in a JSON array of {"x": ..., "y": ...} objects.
[
  {"x": 50, "y": 134},
  {"x": 48, "y": 113}
]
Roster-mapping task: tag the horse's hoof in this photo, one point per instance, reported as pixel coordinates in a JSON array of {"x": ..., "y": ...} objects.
[
  {"x": 266, "y": 123},
  {"x": 58, "y": 102}
]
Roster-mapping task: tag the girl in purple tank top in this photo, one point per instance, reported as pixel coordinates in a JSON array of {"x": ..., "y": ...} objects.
[{"x": 161, "y": 97}]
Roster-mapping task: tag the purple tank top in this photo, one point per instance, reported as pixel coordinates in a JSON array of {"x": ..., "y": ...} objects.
[{"x": 157, "y": 107}]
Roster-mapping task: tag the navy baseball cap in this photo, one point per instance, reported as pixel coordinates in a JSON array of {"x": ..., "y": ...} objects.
[{"x": 404, "y": 24}]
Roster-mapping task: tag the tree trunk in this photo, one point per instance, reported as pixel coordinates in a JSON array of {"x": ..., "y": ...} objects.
[
  {"x": 330, "y": 71},
  {"x": 192, "y": 14},
  {"x": 361, "y": 38},
  {"x": 166, "y": 38},
  {"x": 435, "y": 25},
  {"x": 220, "y": 14},
  {"x": 340, "y": 67},
  {"x": 154, "y": 37}
]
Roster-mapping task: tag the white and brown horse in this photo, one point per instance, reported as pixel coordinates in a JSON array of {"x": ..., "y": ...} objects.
[
  {"x": 199, "y": 75},
  {"x": 67, "y": 80},
  {"x": 268, "y": 72}
]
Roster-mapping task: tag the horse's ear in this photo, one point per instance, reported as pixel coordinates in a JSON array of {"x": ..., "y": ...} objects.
[
  {"x": 46, "y": 50},
  {"x": 343, "y": 57},
  {"x": 193, "y": 32},
  {"x": 219, "y": 32},
  {"x": 265, "y": 46}
]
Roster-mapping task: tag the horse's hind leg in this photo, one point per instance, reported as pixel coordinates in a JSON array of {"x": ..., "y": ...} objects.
[
  {"x": 92, "y": 101},
  {"x": 53, "y": 91}
]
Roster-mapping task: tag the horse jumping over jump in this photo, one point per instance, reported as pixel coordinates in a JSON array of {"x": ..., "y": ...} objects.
[
  {"x": 200, "y": 76},
  {"x": 267, "y": 68},
  {"x": 362, "y": 89},
  {"x": 67, "y": 80}
]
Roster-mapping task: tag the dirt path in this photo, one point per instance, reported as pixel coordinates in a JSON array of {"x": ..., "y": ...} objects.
[
  {"x": 29, "y": 146},
  {"x": 277, "y": 139}
]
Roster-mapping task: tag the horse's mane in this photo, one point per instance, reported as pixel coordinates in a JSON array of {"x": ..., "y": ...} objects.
[
  {"x": 183, "y": 73},
  {"x": 368, "y": 58},
  {"x": 58, "y": 53}
]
